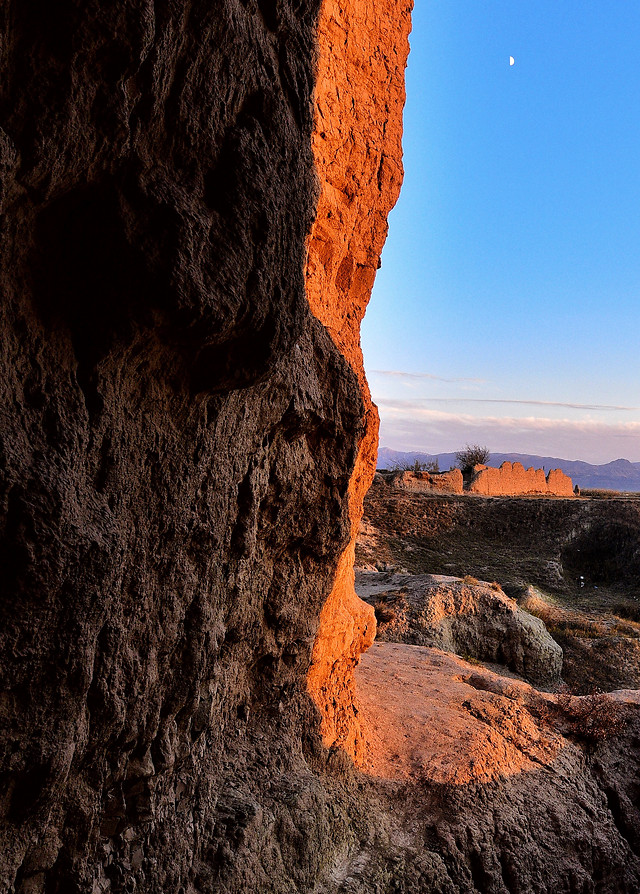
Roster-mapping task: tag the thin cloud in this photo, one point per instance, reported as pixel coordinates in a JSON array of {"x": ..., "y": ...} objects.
[
  {"x": 398, "y": 374},
  {"x": 529, "y": 403},
  {"x": 415, "y": 410},
  {"x": 569, "y": 405},
  {"x": 412, "y": 426}
]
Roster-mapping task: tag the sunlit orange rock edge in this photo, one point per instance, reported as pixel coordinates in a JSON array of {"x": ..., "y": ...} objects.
[{"x": 357, "y": 143}]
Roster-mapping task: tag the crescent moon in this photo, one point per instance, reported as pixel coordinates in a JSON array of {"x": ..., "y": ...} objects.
[{"x": 511, "y": 60}]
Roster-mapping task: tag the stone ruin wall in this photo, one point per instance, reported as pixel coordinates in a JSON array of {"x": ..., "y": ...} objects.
[
  {"x": 512, "y": 480},
  {"x": 450, "y": 482}
]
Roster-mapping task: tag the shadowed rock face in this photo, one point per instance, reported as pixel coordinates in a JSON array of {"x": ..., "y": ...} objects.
[{"x": 177, "y": 434}]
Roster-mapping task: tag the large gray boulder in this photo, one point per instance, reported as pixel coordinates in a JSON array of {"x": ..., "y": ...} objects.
[{"x": 465, "y": 616}]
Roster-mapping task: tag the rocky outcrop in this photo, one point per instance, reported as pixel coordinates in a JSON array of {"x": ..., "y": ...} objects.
[
  {"x": 158, "y": 192},
  {"x": 357, "y": 148},
  {"x": 512, "y": 479},
  {"x": 494, "y": 786},
  {"x": 185, "y": 435},
  {"x": 467, "y": 617}
]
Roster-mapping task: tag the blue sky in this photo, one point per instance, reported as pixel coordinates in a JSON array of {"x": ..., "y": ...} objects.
[{"x": 507, "y": 309}]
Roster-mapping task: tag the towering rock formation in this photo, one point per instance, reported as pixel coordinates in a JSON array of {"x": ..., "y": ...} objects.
[
  {"x": 358, "y": 151},
  {"x": 184, "y": 444}
]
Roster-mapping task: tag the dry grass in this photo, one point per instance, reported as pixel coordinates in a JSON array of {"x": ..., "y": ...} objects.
[
  {"x": 623, "y": 628},
  {"x": 580, "y": 627},
  {"x": 384, "y": 613},
  {"x": 592, "y": 718},
  {"x": 626, "y": 611},
  {"x": 563, "y": 622},
  {"x": 471, "y": 659}
]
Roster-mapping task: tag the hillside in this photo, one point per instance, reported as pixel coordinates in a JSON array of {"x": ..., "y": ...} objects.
[{"x": 620, "y": 474}]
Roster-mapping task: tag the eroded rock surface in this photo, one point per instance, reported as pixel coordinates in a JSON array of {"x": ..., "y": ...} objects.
[
  {"x": 357, "y": 148},
  {"x": 178, "y": 432},
  {"x": 467, "y": 617},
  {"x": 493, "y": 786},
  {"x": 186, "y": 434}
]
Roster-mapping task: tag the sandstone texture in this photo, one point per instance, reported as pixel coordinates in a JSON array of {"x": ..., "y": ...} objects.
[
  {"x": 178, "y": 431},
  {"x": 469, "y": 618},
  {"x": 512, "y": 479},
  {"x": 357, "y": 149},
  {"x": 185, "y": 431},
  {"x": 496, "y": 788}
]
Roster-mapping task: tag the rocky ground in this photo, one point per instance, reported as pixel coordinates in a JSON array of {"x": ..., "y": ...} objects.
[
  {"x": 489, "y": 785},
  {"x": 466, "y": 617},
  {"x": 573, "y": 563},
  {"x": 480, "y": 781}
]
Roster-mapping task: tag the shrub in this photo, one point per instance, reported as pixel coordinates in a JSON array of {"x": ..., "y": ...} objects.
[
  {"x": 593, "y": 717},
  {"x": 404, "y": 465},
  {"x": 472, "y": 455}
]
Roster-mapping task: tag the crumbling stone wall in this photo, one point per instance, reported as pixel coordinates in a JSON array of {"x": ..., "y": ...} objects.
[
  {"x": 512, "y": 480},
  {"x": 450, "y": 482}
]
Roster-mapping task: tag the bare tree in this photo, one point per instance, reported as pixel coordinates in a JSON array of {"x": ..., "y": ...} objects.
[{"x": 472, "y": 455}]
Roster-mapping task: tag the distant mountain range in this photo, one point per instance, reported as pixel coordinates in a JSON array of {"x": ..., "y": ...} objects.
[{"x": 619, "y": 475}]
